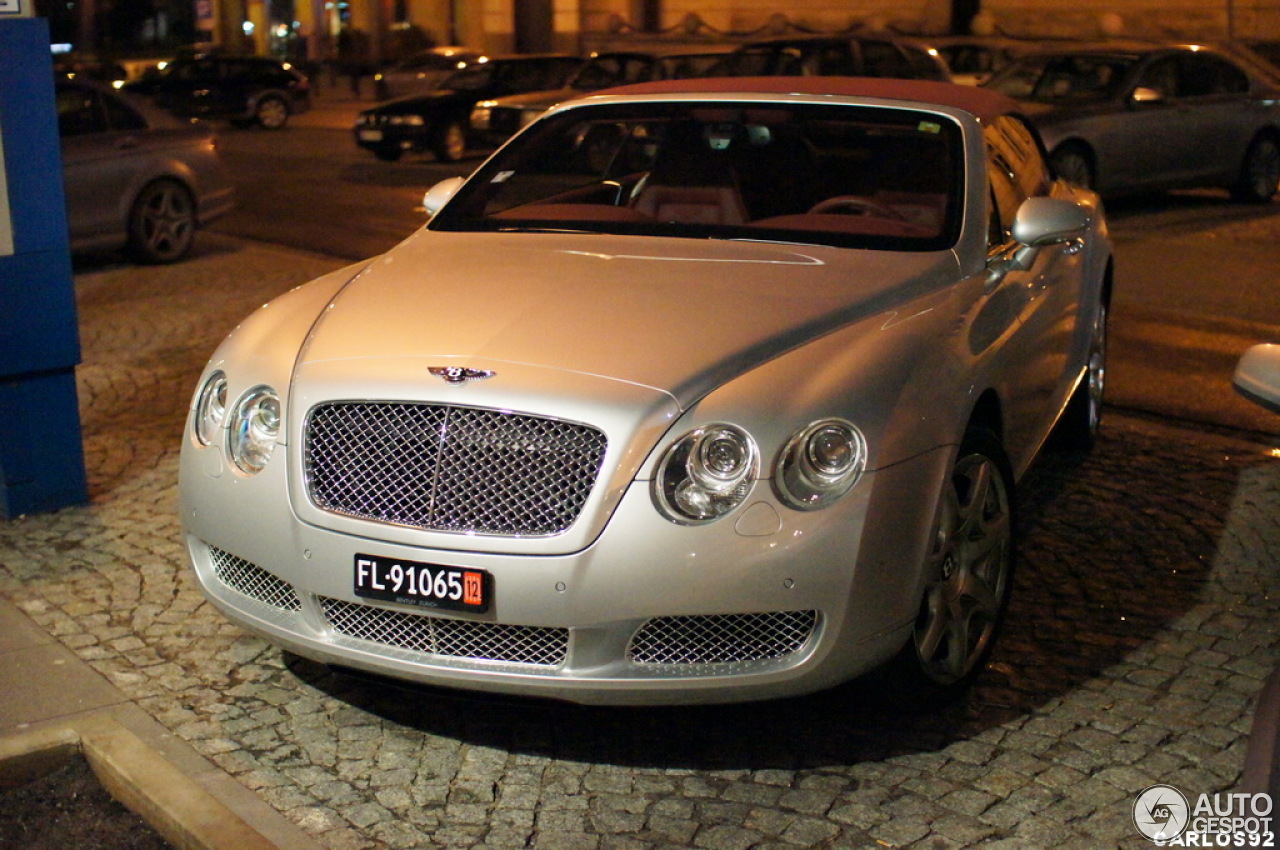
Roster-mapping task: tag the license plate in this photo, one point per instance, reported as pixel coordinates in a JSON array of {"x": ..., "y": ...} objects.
[
  {"x": 425, "y": 585},
  {"x": 370, "y": 135}
]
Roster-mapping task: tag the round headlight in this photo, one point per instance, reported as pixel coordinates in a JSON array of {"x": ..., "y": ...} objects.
[
  {"x": 255, "y": 426},
  {"x": 705, "y": 474},
  {"x": 210, "y": 409},
  {"x": 820, "y": 463}
]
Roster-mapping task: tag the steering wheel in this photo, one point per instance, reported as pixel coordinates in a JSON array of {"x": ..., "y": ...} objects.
[{"x": 857, "y": 205}]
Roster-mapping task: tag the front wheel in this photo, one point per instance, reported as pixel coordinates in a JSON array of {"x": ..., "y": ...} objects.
[
  {"x": 968, "y": 573},
  {"x": 162, "y": 223},
  {"x": 271, "y": 113},
  {"x": 1082, "y": 419},
  {"x": 1260, "y": 172}
]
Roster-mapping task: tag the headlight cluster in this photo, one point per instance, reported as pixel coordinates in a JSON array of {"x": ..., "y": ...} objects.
[
  {"x": 406, "y": 120},
  {"x": 710, "y": 471},
  {"x": 820, "y": 464},
  {"x": 252, "y": 423}
]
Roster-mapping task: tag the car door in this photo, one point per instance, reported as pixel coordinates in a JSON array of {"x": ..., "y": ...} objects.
[
  {"x": 1213, "y": 95},
  {"x": 1031, "y": 310},
  {"x": 102, "y": 147},
  {"x": 1153, "y": 134},
  {"x": 187, "y": 87}
]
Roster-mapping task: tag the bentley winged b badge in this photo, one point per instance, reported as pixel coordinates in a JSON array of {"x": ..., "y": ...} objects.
[{"x": 460, "y": 374}]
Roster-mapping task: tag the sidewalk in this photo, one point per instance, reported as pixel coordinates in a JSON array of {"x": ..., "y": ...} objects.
[{"x": 52, "y": 700}]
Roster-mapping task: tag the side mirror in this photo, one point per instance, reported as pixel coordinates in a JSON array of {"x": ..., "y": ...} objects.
[
  {"x": 438, "y": 195},
  {"x": 1044, "y": 221},
  {"x": 1040, "y": 221},
  {"x": 1257, "y": 376}
]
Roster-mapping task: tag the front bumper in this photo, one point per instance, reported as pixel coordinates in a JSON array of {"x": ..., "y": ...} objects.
[
  {"x": 392, "y": 137},
  {"x": 766, "y": 603}
]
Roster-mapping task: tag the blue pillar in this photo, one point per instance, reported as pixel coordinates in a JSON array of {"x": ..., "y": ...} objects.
[{"x": 41, "y": 454}]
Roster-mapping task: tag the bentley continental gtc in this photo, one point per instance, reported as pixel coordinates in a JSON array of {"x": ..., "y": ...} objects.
[{"x": 695, "y": 391}]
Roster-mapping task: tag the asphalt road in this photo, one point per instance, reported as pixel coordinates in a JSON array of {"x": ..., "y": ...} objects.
[{"x": 1196, "y": 273}]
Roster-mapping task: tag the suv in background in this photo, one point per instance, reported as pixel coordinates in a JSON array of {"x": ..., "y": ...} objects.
[
  {"x": 245, "y": 89},
  {"x": 845, "y": 55}
]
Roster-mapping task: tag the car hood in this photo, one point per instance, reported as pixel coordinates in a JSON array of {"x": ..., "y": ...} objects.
[
  {"x": 680, "y": 316},
  {"x": 539, "y": 99},
  {"x": 416, "y": 102}
]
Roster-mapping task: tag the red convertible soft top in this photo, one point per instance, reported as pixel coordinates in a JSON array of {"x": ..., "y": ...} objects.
[{"x": 984, "y": 103}]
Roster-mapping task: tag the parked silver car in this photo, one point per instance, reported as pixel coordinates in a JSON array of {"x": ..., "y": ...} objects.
[
  {"x": 135, "y": 177},
  {"x": 1128, "y": 117},
  {"x": 696, "y": 391}
]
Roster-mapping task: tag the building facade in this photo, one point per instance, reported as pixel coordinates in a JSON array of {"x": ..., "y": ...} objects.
[{"x": 378, "y": 31}]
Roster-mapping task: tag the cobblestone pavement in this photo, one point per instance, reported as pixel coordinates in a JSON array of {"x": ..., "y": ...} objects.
[{"x": 1143, "y": 623}]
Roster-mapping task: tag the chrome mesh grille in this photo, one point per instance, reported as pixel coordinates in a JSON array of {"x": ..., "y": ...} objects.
[
  {"x": 253, "y": 581},
  {"x": 448, "y": 468},
  {"x": 721, "y": 639},
  {"x": 454, "y": 638}
]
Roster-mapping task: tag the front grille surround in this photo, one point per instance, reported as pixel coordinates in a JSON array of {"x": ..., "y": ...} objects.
[{"x": 450, "y": 468}]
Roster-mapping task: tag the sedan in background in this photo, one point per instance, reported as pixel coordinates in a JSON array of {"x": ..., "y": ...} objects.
[
  {"x": 135, "y": 178},
  {"x": 846, "y": 56},
  {"x": 731, "y": 407},
  {"x": 1130, "y": 117},
  {"x": 424, "y": 71},
  {"x": 497, "y": 120},
  {"x": 247, "y": 90},
  {"x": 440, "y": 121},
  {"x": 974, "y": 59}
]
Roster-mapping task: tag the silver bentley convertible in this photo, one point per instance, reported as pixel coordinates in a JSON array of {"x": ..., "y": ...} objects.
[{"x": 695, "y": 391}]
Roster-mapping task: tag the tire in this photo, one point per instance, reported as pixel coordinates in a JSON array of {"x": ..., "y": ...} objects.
[
  {"x": 1073, "y": 163},
  {"x": 162, "y": 223},
  {"x": 1082, "y": 419},
  {"x": 271, "y": 113},
  {"x": 1259, "y": 173},
  {"x": 388, "y": 154},
  {"x": 968, "y": 575},
  {"x": 450, "y": 143}
]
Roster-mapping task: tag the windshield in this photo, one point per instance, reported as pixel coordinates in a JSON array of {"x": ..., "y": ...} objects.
[
  {"x": 837, "y": 175},
  {"x": 1083, "y": 78}
]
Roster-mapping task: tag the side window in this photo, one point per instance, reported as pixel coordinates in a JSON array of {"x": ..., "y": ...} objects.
[
  {"x": 1202, "y": 75},
  {"x": 78, "y": 112},
  {"x": 121, "y": 117},
  {"x": 882, "y": 59},
  {"x": 1161, "y": 75},
  {"x": 831, "y": 60}
]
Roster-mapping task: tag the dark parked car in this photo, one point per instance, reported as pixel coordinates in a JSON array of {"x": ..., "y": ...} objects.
[
  {"x": 844, "y": 56},
  {"x": 497, "y": 119},
  {"x": 135, "y": 177},
  {"x": 440, "y": 121},
  {"x": 1135, "y": 117},
  {"x": 245, "y": 89}
]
